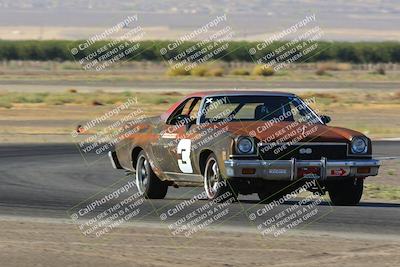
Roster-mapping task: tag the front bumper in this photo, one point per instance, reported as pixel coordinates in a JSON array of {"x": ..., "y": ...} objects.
[{"x": 290, "y": 170}]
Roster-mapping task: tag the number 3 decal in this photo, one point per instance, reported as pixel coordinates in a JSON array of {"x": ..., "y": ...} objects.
[{"x": 184, "y": 163}]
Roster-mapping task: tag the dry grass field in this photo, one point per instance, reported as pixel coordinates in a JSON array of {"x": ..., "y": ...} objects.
[{"x": 375, "y": 114}]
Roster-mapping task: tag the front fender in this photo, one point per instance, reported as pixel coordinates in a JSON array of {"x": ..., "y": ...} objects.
[{"x": 220, "y": 144}]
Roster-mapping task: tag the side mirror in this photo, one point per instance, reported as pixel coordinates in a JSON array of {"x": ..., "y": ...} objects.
[{"x": 325, "y": 119}]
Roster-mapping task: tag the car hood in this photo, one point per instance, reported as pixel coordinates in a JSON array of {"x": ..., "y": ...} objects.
[{"x": 289, "y": 131}]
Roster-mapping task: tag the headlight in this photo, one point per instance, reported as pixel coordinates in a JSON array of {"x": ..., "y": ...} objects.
[
  {"x": 245, "y": 145},
  {"x": 359, "y": 145}
]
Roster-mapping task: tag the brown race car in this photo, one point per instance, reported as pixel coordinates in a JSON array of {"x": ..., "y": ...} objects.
[{"x": 246, "y": 142}]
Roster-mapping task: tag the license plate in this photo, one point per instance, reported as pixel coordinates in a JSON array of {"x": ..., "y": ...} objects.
[{"x": 309, "y": 172}]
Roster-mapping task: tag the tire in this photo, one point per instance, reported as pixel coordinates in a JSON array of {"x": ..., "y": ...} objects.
[
  {"x": 214, "y": 184},
  {"x": 147, "y": 182},
  {"x": 346, "y": 192}
]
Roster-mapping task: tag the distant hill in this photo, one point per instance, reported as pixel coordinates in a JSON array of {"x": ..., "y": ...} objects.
[{"x": 348, "y": 20}]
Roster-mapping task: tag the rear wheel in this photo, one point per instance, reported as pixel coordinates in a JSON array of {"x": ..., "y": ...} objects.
[
  {"x": 214, "y": 185},
  {"x": 346, "y": 192},
  {"x": 147, "y": 181}
]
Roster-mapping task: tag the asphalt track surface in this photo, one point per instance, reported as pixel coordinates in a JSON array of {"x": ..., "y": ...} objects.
[{"x": 47, "y": 180}]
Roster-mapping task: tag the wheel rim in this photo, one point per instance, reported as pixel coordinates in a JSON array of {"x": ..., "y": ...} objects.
[
  {"x": 142, "y": 174},
  {"x": 211, "y": 178}
]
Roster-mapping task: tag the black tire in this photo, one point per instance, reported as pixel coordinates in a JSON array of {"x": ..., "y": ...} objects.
[
  {"x": 147, "y": 181},
  {"x": 346, "y": 192},
  {"x": 214, "y": 184}
]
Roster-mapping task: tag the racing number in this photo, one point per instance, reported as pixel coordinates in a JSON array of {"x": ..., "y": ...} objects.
[{"x": 184, "y": 163}]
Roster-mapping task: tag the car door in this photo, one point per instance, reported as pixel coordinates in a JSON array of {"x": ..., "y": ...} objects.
[{"x": 174, "y": 144}]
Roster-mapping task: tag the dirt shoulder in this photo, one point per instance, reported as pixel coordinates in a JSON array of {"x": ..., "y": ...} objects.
[{"x": 57, "y": 243}]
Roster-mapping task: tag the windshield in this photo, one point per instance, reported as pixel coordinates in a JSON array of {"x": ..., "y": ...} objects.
[{"x": 257, "y": 108}]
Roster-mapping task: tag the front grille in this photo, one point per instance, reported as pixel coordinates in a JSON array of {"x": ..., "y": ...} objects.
[{"x": 303, "y": 151}]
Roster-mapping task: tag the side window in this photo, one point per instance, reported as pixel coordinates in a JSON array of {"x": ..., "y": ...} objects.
[
  {"x": 186, "y": 111},
  {"x": 296, "y": 113},
  {"x": 187, "y": 107},
  {"x": 248, "y": 111},
  {"x": 218, "y": 111},
  {"x": 195, "y": 108}
]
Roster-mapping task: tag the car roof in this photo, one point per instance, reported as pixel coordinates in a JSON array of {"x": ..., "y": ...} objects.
[{"x": 238, "y": 92}]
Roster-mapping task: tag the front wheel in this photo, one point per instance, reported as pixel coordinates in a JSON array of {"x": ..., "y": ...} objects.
[
  {"x": 147, "y": 181},
  {"x": 214, "y": 185},
  {"x": 346, "y": 192}
]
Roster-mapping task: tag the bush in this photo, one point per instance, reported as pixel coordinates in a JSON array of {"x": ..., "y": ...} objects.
[
  {"x": 72, "y": 91},
  {"x": 200, "y": 71},
  {"x": 207, "y": 70},
  {"x": 241, "y": 72},
  {"x": 321, "y": 72},
  {"x": 262, "y": 70},
  {"x": 335, "y": 66},
  {"x": 216, "y": 72},
  {"x": 397, "y": 95},
  {"x": 5, "y": 104},
  {"x": 177, "y": 71},
  {"x": 97, "y": 103},
  {"x": 380, "y": 71}
]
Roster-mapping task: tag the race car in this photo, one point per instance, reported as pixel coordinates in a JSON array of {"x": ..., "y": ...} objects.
[{"x": 245, "y": 142}]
